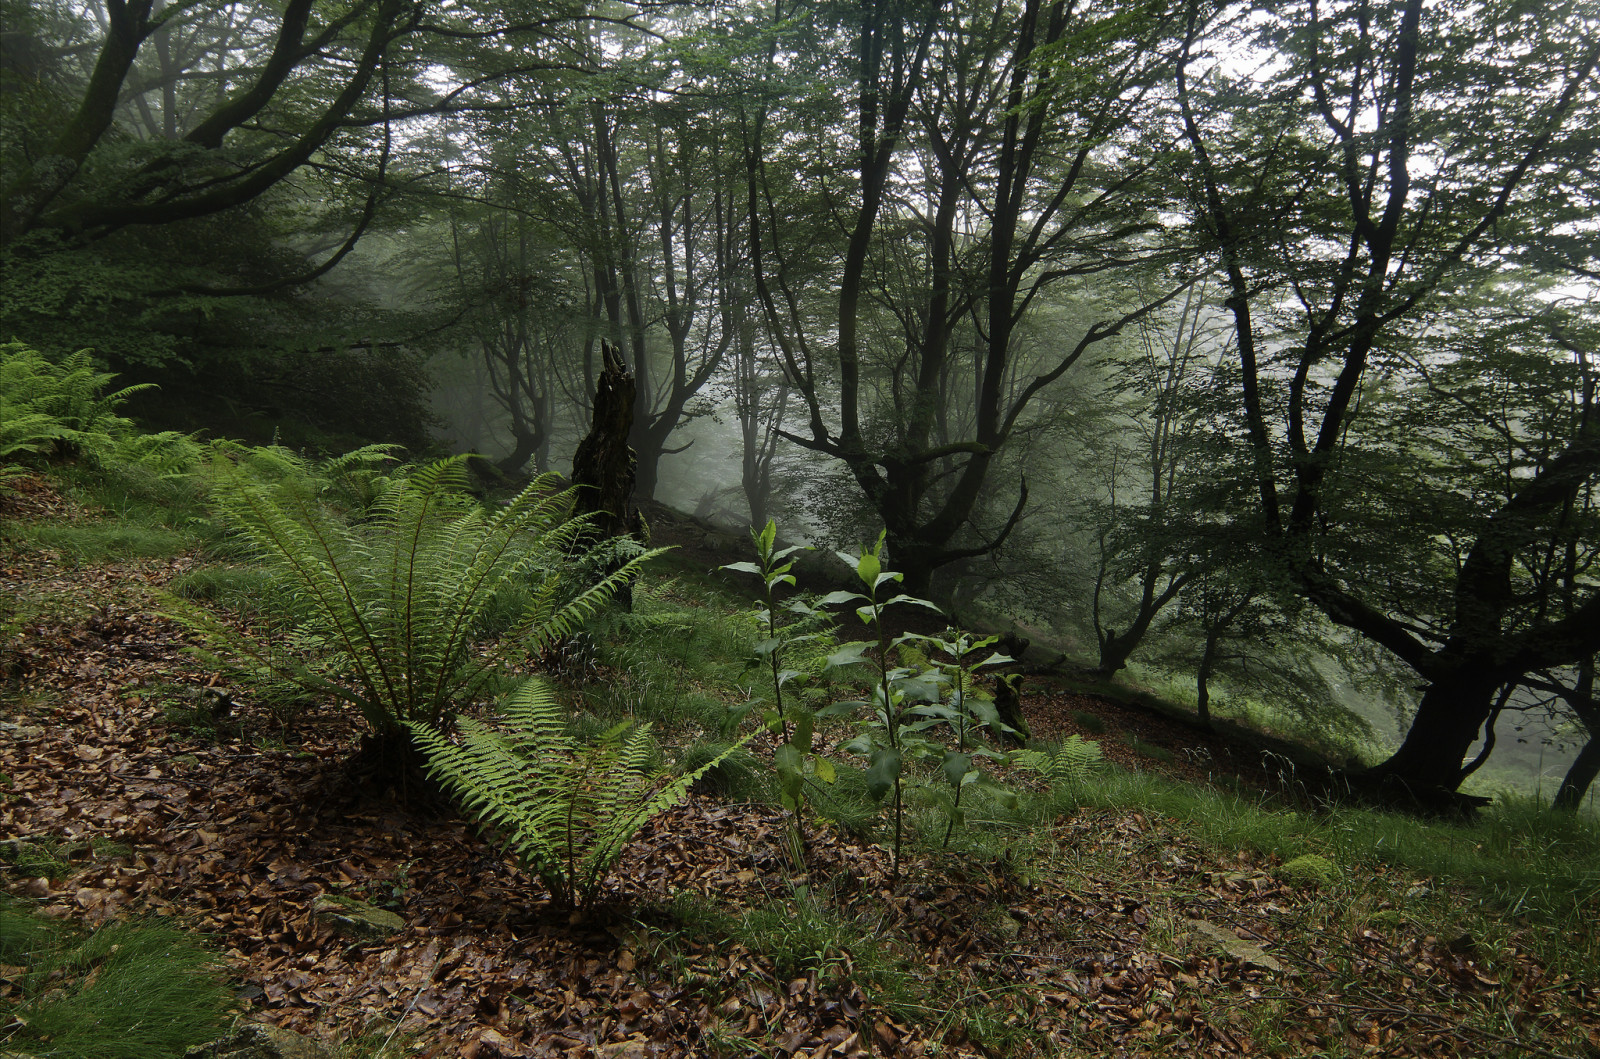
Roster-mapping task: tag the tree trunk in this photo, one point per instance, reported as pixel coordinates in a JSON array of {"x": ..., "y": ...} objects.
[
  {"x": 527, "y": 445},
  {"x": 1202, "y": 678},
  {"x": 1452, "y": 712},
  {"x": 603, "y": 466},
  {"x": 1576, "y": 783}
]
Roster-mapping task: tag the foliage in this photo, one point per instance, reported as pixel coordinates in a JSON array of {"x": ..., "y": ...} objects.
[
  {"x": 890, "y": 734},
  {"x": 793, "y": 755},
  {"x": 1071, "y": 762},
  {"x": 964, "y": 709},
  {"x": 565, "y": 809},
  {"x": 391, "y": 608},
  {"x": 124, "y": 991},
  {"x": 45, "y": 406}
]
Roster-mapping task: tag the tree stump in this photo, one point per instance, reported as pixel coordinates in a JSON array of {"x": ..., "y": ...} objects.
[{"x": 604, "y": 466}]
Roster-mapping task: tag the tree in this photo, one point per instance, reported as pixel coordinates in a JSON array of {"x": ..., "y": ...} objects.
[
  {"x": 1163, "y": 390},
  {"x": 993, "y": 156},
  {"x": 1351, "y": 190}
]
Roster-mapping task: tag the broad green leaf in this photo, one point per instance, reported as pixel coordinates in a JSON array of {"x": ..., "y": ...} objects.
[
  {"x": 848, "y": 654},
  {"x": 825, "y": 770},
  {"x": 842, "y": 708},
  {"x": 883, "y": 771},
  {"x": 860, "y": 746},
  {"x": 788, "y": 759},
  {"x": 868, "y": 566},
  {"x": 801, "y": 737},
  {"x": 918, "y": 600},
  {"x": 745, "y": 568},
  {"x": 833, "y": 599},
  {"x": 956, "y": 767}
]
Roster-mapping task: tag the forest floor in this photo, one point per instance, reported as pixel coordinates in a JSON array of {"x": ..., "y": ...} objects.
[{"x": 1108, "y": 925}]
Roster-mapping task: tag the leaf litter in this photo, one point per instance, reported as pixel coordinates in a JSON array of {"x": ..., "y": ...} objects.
[{"x": 1095, "y": 951}]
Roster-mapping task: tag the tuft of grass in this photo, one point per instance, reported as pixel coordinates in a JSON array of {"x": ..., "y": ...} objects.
[
  {"x": 1151, "y": 751},
  {"x": 1089, "y": 722},
  {"x": 247, "y": 589},
  {"x": 125, "y": 991},
  {"x": 103, "y": 540},
  {"x": 739, "y": 776}
]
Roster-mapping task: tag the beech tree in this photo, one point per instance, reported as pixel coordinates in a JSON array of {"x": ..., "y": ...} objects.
[
  {"x": 994, "y": 159},
  {"x": 1352, "y": 188}
]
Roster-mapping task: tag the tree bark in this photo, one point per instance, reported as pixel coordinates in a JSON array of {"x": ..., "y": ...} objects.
[
  {"x": 1452, "y": 712},
  {"x": 1576, "y": 783},
  {"x": 603, "y": 468},
  {"x": 1202, "y": 678}
]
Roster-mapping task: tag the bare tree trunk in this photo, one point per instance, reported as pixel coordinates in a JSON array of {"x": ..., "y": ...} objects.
[{"x": 603, "y": 468}]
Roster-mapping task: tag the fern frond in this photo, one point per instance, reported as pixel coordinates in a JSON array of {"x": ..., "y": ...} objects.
[
  {"x": 565, "y": 811},
  {"x": 1071, "y": 762}
]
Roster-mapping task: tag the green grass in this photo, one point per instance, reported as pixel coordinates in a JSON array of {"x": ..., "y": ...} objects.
[
  {"x": 739, "y": 777},
  {"x": 102, "y": 541},
  {"x": 1151, "y": 751},
  {"x": 1089, "y": 722},
  {"x": 1516, "y": 858},
  {"x": 247, "y": 589},
  {"x": 125, "y": 991}
]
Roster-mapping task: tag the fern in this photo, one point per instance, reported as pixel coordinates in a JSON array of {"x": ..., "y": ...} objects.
[
  {"x": 1072, "y": 762},
  {"x": 391, "y": 609},
  {"x": 44, "y": 405},
  {"x": 565, "y": 810}
]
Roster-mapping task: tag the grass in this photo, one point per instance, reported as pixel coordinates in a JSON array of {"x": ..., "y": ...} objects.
[
  {"x": 1151, "y": 751},
  {"x": 1089, "y": 722},
  {"x": 125, "y": 991},
  {"x": 246, "y": 589},
  {"x": 1515, "y": 859}
]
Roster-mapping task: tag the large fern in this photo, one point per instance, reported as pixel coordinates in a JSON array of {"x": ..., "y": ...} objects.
[
  {"x": 566, "y": 810},
  {"x": 390, "y": 609}
]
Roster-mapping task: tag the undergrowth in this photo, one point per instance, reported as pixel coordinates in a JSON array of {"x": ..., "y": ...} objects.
[{"x": 140, "y": 990}]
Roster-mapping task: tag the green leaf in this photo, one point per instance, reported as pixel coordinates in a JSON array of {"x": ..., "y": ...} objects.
[
  {"x": 956, "y": 767},
  {"x": 917, "y": 600},
  {"x": 803, "y": 728},
  {"x": 848, "y": 654},
  {"x": 861, "y": 746},
  {"x": 833, "y": 599},
  {"x": 788, "y": 759},
  {"x": 825, "y": 771},
  {"x": 883, "y": 771},
  {"x": 841, "y": 708},
  {"x": 744, "y": 568},
  {"x": 868, "y": 567}
]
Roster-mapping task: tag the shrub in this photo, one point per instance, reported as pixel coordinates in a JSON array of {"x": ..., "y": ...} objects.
[
  {"x": 566, "y": 810},
  {"x": 392, "y": 610}
]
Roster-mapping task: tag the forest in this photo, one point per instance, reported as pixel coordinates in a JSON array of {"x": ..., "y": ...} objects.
[{"x": 799, "y": 527}]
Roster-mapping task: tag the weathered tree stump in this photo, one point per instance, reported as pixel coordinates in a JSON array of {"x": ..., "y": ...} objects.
[{"x": 604, "y": 466}]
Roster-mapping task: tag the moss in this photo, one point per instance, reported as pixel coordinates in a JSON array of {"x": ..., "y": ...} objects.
[{"x": 1310, "y": 869}]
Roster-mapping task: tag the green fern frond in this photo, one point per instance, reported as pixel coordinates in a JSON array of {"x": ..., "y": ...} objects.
[
  {"x": 1072, "y": 762},
  {"x": 566, "y": 811},
  {"x": 400, "y": 596}
]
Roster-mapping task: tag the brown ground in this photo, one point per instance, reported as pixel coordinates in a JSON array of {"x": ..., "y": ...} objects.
[{"x": 237, "y": 837}]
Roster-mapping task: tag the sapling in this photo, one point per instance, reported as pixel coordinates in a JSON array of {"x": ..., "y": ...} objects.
[
  {"x": 965, "y": 710},
  {"x": 773, "y": 566},
  {"x": 890, "y": 735}
]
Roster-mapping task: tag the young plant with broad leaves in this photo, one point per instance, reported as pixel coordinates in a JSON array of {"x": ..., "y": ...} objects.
[
  {"x": 795, "y": 726},
  {"x": 966, "y": 711},
  {"x": 566, "y": 810},
  {"x": 392, "y": 611},
  {"x": 891, "y": 733}
]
